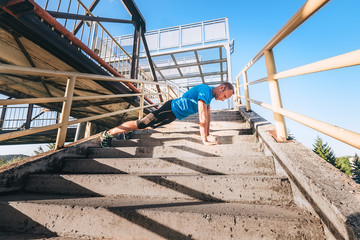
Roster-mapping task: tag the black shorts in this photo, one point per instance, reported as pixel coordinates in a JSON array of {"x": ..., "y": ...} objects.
[{"x": 157, "y": 118}]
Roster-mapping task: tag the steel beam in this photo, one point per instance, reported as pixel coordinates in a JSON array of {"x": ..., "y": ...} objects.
[
  {"x": 87, "y": 17},
  {"x": 188, "y": 64},
  {"x": 151, "y": 63},
  {"x": 135, "y": 14},
  {"x": 199, "y": 65},
  {"x": 176, "y": 65},
  {"x": 196, "y": 75},
  {"x": 135, "y": 54},
  {"x": 91, "y": 8},
  {"x": 28, "y": 116}
]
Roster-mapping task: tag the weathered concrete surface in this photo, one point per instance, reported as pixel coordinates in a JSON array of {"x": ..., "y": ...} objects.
[
  {"x": 172, "y": 190},
  {"x": 334, "y": 196},
  {"x": 29, "y": 236},
  {"x": 162, "y": 219},
  {"x": 12, "y": 176},
  {"x": 230, "y": 188},
  {"x": 250, "y": 165},
  {"x": 154, "y": 140},
  {"x": 188, "y": 150}
]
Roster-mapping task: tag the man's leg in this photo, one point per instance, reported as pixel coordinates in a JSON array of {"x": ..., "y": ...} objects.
[
  {"x": 123, "y": 128},
  {"x": 159, "y": 117}
]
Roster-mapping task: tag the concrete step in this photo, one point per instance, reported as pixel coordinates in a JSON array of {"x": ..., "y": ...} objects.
[
  {"x": 191, "y": 150},
  {"x": 158, "y": 132},
  {"x": 213, "y": 124},
  {"x": 27, "y": 236},
  {"x": 230, "y": 188},
  {"x": 121, "y": 218},
  {"x": 191, "y": 127},
  {"x": 252, "y": 165},
  {"x": 186, "y": 140}
]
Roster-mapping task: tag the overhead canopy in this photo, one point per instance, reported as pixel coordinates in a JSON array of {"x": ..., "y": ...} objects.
[{"x": 188, "y": 55}]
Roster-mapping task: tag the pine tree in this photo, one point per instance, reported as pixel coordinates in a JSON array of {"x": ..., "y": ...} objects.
[
  {"x": 324, "y": 151},
  {"x": 356, "y": 169}
]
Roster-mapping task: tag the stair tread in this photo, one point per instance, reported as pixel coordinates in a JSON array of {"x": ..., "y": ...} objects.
[
  {"x": 193, "y": 206},
  {"x": 4, "y": 235},
  {"x": 172, "y": 165}
]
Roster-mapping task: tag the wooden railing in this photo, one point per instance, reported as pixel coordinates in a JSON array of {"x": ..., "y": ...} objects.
[
  {"x": 341, "y": 61},
  {"x": 69, "y": 98}
]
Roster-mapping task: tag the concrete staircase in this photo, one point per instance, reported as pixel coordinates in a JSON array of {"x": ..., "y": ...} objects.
[{"x": 164, "y": 184}]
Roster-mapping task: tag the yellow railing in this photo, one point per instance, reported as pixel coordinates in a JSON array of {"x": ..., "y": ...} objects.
[
  {"x": 69, "y": 97},
  {"x": 341, "y": 61}
]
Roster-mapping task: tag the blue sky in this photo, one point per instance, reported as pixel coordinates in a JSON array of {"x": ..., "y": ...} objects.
[{"x": 330, "y": 96}]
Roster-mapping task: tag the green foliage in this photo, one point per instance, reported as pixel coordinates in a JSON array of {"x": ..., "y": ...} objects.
[
  {"x": 356, "y": 168},
  {"x": 324, "y": 151},
  {"x": 40, "y": 150},
  {"x": 343, "y": 164},
  {"x": 51, "y": 146},
  {"x": 2, "y": 161}
]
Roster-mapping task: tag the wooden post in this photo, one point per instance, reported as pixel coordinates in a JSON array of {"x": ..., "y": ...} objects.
[
  {"x": 65, "y": 114},
  {"x": 246, "y": 90},
  {"x": 281, "y": 133}
]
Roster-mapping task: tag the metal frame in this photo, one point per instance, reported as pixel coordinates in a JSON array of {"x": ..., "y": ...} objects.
[
  {"x": 191, "y": 48},
  {"x": 341, "y": 61},
  {"x": 69, "y": 98}
]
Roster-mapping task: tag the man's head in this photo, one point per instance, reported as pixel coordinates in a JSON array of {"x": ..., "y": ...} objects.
[{"x": 223, "y": 91}]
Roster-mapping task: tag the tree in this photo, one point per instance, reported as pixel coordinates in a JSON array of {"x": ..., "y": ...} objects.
[
  {"x": 343, "y": 164},
  {"x": 356, "y": 168},
  {"x": 324, "y": 151}
]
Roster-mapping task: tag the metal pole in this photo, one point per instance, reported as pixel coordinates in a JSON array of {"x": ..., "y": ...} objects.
[
  {"x": 141, "y": 110},
  {"x": 151, "y": 64},
  {"x": 135, "y": 54},
  {"x": 28, "y": 116},
  {"x": 2, "y": 117},
  {"x": 246, "y": 90},
  {"x": 80, "y": 131},
  {"x": 275, "y": 96},
  {"x": 65, "y": 114},
  {"x": 228, "y": 65}
]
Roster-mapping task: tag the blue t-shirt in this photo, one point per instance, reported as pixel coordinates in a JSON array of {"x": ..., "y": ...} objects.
[{"x": 188, "y": 103}]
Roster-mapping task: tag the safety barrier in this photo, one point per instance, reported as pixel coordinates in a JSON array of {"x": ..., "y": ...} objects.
[
  {"x": 69, "y": 98},
  {"x": 340, "y": 61}
]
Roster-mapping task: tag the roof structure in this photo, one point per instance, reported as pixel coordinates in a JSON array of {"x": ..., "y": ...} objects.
[{"x": 188, "y": 55}]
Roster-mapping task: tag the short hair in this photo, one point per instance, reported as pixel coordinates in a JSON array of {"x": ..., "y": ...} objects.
[{"x": 227, "y": 86}]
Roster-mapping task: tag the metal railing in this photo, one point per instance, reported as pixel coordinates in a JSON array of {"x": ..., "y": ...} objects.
[
  {"x": 97, "y": 42},
  {"x": 69, "y": 97},
  {"x": 177, "y": 37},
  {"x": 340, "y": 61},
  {"x": 17, "y": 118}
]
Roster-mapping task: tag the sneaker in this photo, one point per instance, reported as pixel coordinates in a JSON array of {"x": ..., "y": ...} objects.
[
  {"x": 123, "y": 136},
  {"x": 106, "y": 139}
]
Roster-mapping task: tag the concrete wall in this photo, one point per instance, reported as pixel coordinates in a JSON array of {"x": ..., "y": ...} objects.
[{"x": 317, "y": 185}]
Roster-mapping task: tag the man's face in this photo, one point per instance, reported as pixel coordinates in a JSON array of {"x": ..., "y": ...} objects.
[{"x": 223, "y": 94}]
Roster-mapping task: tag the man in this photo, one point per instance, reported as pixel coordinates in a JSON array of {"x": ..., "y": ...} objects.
[{"x": 197, "y": 99}]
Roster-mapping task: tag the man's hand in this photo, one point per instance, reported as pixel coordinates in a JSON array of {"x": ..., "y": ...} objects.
[{"x": 211, "y": 143}]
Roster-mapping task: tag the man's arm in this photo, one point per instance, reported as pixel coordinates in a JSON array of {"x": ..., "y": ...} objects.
[
  {"x": 204, "y": 119},
  {"x": 208, "y": 122}
]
